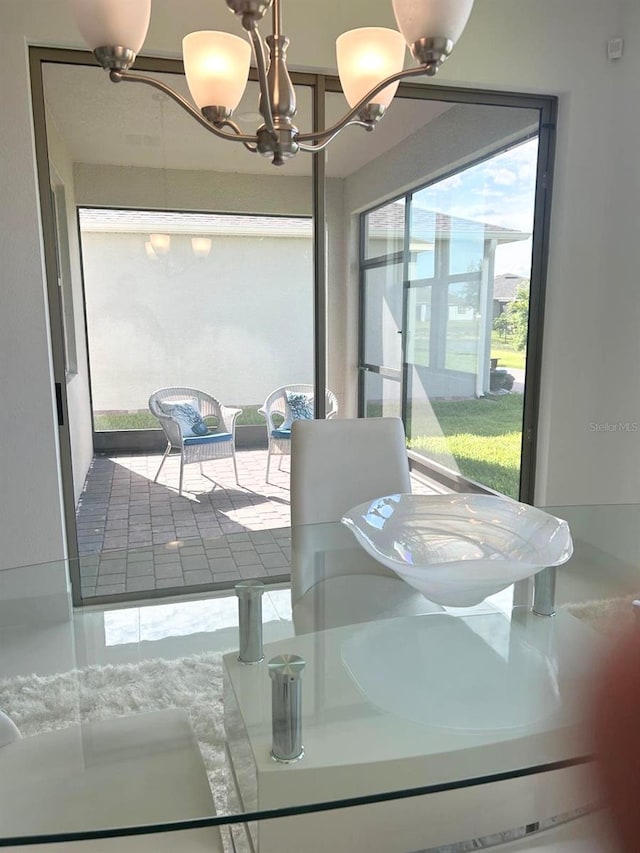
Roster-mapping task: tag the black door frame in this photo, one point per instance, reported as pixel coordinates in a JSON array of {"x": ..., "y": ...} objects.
[{"x": 547, "y": 107}]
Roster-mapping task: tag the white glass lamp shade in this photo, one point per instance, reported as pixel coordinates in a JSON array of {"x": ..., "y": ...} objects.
[
  {"x": 418, "y": 19},
  {"x": 160, "y": 243},
  {"x": 112, "y": 23},
  {"x": 217, "y": 68},
  {"x": 201, "y": 246},
  {"x": 365, "y": 57}
]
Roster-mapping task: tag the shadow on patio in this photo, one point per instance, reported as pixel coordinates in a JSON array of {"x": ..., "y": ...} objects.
[
  {"x": 121, "y": 506},
  {"x": 135, "y": 536}
]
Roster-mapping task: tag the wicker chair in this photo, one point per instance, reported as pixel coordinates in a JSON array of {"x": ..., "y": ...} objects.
[
  {"x": 278, "y": 418},
  {"x": 219, "y": 444}
]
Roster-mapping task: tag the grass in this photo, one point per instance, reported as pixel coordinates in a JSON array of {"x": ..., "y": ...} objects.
[
  {"x": 143, "y": 419},
  {"x": 462, "y": 348},
  {"x": 483, "y": 436},
  {"x": 506, "y": 352},
  {"x": 461, "y": 345}
]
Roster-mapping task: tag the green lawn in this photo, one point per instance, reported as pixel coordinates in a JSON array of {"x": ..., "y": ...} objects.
[
  {"x": 508, "y": 355},
  {"x": 462, "y": 347},
  {"x": 143, "y": 419},
  {"x": 484, "y": 438}
]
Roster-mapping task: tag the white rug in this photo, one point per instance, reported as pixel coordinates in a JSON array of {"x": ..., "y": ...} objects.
[
  {"x": 609, "y": 616},
  {"x": 42, "y": 704}
]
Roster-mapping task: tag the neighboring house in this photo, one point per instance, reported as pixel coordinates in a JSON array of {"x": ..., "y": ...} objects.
[
  {"x": 505, "y": 288},
  {"x": 450, "y": 270}
]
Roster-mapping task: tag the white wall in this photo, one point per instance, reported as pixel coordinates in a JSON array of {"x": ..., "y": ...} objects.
[
  {"x": 237, "y": 324},
  {"x": 548, "y": 46},
  {"x": 613, "y": 457},
  {"x": 30, "y": 499},
  {"x": 113, "y": 186}
]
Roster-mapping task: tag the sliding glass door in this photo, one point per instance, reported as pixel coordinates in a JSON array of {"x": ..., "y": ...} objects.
[{"x": 446, "y": 284}]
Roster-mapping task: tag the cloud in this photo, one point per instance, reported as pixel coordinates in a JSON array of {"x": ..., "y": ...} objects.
[
  {"x": 451, "y": 183},
  {"x": 499, "y": 191},
  {"x": 502, "y": 176}
]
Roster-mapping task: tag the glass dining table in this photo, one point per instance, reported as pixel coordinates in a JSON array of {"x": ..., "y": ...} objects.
[{"x": 422, "y": 726}]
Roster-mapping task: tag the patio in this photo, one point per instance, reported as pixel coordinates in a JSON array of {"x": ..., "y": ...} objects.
[{"x": 136, "y": 536}]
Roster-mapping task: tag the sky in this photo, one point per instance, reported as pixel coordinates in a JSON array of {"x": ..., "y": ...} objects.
[{"x": 499, "y": 191}]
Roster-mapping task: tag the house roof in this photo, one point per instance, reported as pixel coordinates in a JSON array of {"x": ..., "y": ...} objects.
[
  {"x": 388, "y": 220},
  {"x": 505, "y": 286},
  {"x": 426, "y": 223},
  {"x": 225, "y": 224}
]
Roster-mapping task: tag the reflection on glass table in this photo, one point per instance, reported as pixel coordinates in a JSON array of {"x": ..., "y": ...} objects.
[{"x": 445, "y": 725}]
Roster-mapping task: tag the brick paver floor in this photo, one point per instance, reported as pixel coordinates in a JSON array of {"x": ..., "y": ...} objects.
[{"x": 137, "y": 536}]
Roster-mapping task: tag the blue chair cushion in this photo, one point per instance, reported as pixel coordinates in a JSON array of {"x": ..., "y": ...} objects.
[
  {"x": 213, "y": 438},
  {"x": 281, "y": 433},
  {"x": 187, "y": 415},
  {"x": 300, "y": 405}
]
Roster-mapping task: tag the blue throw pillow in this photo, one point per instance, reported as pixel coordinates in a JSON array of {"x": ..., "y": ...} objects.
[
  {"x": 300, "y": 405},
  {"x": 187, "y": 414}
]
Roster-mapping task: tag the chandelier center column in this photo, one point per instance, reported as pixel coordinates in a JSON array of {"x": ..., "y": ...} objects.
[{"x": 282, "y": 96}]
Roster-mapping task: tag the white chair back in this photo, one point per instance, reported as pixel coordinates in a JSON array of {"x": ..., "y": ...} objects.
[{"x": 337, "y": 464}]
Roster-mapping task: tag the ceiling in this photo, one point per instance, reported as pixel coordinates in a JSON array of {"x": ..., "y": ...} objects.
[{"x": 135, "y": 125}]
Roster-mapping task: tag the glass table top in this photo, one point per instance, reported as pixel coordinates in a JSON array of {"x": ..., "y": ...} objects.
[{"x": 144, "y": 717}]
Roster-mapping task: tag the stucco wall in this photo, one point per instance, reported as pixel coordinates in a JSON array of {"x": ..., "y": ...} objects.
[
  {"x": 237, "y": 324},
  {"x": 182, "y": 189}
]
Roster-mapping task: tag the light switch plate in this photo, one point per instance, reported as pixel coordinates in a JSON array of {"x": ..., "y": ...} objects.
[{"x": 615, "y": 47}]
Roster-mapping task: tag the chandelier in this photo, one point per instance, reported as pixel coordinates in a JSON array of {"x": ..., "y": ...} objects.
[{"x": 370, "y": 65}]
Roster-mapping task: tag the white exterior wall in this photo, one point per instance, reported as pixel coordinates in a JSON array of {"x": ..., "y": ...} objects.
[
  {"x": 591, "y": 341},
  {"x": 237, "y": 324},
  {"x": 219, "y": 192}
]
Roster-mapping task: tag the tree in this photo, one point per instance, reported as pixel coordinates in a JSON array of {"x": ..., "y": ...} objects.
[
  {"x": 502, "y": 325},
  {"x": 514, "y": 320},
  {"x": 518, "y": 311}
]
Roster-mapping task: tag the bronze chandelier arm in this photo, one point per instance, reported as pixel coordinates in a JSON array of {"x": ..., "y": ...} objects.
[
  {"x": 331, "y": 131},
  {"x": 234, "y": 127},
  {"x": 127, "y": 77},
  {"x": 322, "y": 145}
]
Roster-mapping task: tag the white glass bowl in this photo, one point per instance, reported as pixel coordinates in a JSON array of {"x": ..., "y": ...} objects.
[{"x": 458, "y": 549}]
